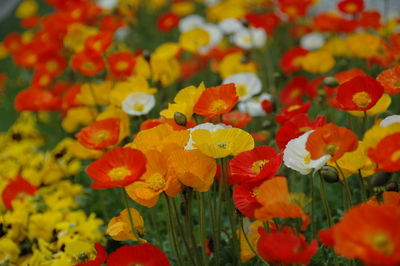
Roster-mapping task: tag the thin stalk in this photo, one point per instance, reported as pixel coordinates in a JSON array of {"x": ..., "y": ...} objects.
[
  {"x": 203, "y": 228},
  {"x": 171, "y": 232},
  {"x": 312, "y": 206},
  {"x": 324, "y": 199},
  {"x": 346, "y": 188},
  {"x": 250, "y": 245},
  {"x": 363, "y": 189},
  {"x": 131, "y": 222}
]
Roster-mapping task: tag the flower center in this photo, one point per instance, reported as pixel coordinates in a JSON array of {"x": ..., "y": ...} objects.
[
  {"x": 222, "y": 145},
  {"x": 381, "y": 242},
  {"x": 395, "y": 156},
  {"x": 258, "y": 165},
  {"x": 100, "y": 136},
  {"x": 119, "y": 173},
  {"x": 293, "y": 107},
  {"x": 295, "y": 93},
  {"x": 51, "y": 66},
  {"x": 122, "y": 65},
  {"x": 331, "y": 149},
  {"x": 88, "y": 65},
  {"x": 156, "y": 181},
  {"x": 361, "y": 99},
  {"x": 241, "y": 90},
  {"x": 218, "y": 105},
  {"x": 307, "y": 159},
  {"x": 138, "y": 107},
  {"x": 304, "y": 129},
  {"x": 351, "y": 7}
]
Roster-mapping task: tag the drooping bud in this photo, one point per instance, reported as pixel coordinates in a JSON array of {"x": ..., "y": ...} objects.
[
  {"x": 379, "y": 179},
  {"x": 147, "y": 55},
  {"x": 331, "y": 82},
  {"x": 329, "y": 174},
  {"x": 180, "y": 119},
  {"x": 393, "y": 186}
]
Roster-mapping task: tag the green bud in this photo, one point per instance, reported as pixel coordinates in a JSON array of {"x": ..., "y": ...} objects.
[
  {"x": 329, "y": 174},
  {"x": 392, "y": 186},
  {"x": 180, "y": 119},
  {"x": 331, "y": 82},
  {"x": 379, "y": 179}
]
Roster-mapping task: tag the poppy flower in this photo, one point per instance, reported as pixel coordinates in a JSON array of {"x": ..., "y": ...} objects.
[
  {"x": 331, "y": 140},
  {"x": 285, "y": 247},
  {"x": 268, "y": 21},
  {"x": 359, "y": 93},
  {"x": 290, "y": 111},
  {"x": 367, "y": 232},
  {"x": 118, "y": 167},
  {"x": 99, "y": 42},
  {"x": 15, "y": 189},
  {"x": 41, "y": 79},
  {"x": 236, "y": 119},
  {"x": 390, "y": 80},
  {"x": 273, "y": 195},
  {"x": 88, "y": 63},
  {"x": 12, "y": 42},
  {"x": 167, "y": 22},
  {"x": 30, "y": 22},
  {"x": 216, "y": 100},
  {"x": 121, "y": 63},
  {"x": 142, "y": 254},
  {"x": 294, "y": 8},
  {"x": 333, "y": 23},
  {"x": 255, "y": 165},
  {"x": 351, "y": 6},
  {"x": 119, "y": 227},
  {"x": 244, "y": 197},
  {"x": 293, "y": 92},
  {"x": 101, "y": 256},
  {"x": 290, "y": 61},
  {"x": 370, "y": 19},
  {"x": 28, "y": 55},
  {"x": 36, "y": 100},
  {"x": 247, "y": 84},
  {"x": 295, "y": 127},
  {"x": 100, "y": 134},
  {"x": 53, "y": 64},
  {"x": 387, "y": 153}
]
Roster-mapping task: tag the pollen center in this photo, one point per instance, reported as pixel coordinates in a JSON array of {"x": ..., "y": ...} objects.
[
  {"x": 258, "y": 165},
  {"x": 331, "y": 149},
  {"x": 100, "y": 136},
  {"x": 293, "y": 107},
  {"x": 218, "y": 105},
  {"x": 395, "y": 156},
  {"x": 222, "y": 145},
  {"x": 307, "y": 159},
  {"x": 88, "y": 65},
  {"x": 122, "y": 65},
  {"x": 241, "y": 90},
  {"x": 51, "y": 66},
  {"x": 351, "y": 7},
  {"x": 381, "y": 243},
  {"x": 156, "y": 181},
  {"x": 138, "y": 107},
  {"x": 119, "y": 173},
  {"x": 361, "y": 99}
]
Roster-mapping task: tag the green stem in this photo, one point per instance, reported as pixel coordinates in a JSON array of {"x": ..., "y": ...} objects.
[
  {"x": 324, "y": 199},
  {"x": 131, "y": 222},
  {"x": 250, "y": 245},
  {"x": 312, "y": 206},
  {"x": 363, "y": 189},
  {"x": 171, "y": 232},
  {"x": 203, "y": 228},
  {"x": 346, "y": 188}
]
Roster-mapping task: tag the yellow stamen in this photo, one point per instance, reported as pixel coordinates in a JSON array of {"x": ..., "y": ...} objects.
[
  {"x": 361, "y": 99},
  {"x": 119, "y": 173}
]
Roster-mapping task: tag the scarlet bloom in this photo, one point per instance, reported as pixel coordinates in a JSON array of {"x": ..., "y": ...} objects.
[
  {"x": 36, "y": 100},
  {"x": 387, "y": 153},
  {"x": 142, "y": 254},
  {"x": 294, "y": 8},
  {"x": 167, "y": 22},
  {"x": 370, "y": 19},
  {"x": 99, "y": 42},
  {"x": 121, "y": 63},
  {"x": 100, "y": 134},
  {"x": 236, "y": 119},
  {"x": 285, "y": 247},
  {"x": 88, "y": 63},
  {"x": 255, "y": 165},
  {"x": 268, "y": 21},
  {"x": 15, "y": 189},
  {"x": 333, "y": 23},
  {"x": 216, "y": 100},
  {"x": 41, "y": 79},
  {"x": 294, "y": 91},
  {"x": 244, "y": 197},
  {"x": 295, "y": 127},
  {"x": 101, "y": 256},
  {"x": 331, "y": 140},
  {"x": 290, "y": 61},
  {"x": 12, "y": 42},
  {"x": 390, "y": 80},
  {"x": 53, "y": 64},
  {"x": 368, "y": 232},
  {"x": 292, "y": 110},
  {"x": 118, "y": 167},
  {"x": 351, "y": 6},
  {"x": 359, "y": 93}
]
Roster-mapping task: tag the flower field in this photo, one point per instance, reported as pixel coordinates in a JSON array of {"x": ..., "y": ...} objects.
[{"x": 199, "y": 132}]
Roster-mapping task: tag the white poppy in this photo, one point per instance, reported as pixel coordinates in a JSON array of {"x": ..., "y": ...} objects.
[
  {"x": 390, "y": 120},
  {"x": 247, "y": 84},
  {"x": 107, "y": 4},
  {"x": 207, "y": 126},
  {"x": 122, "y": 33},
  {"x": 253, "y": 106},
  {"x": 249, "y": 38},
  {"x": 215, "y": 37},
  {"x": 138, "y": 103},
  {"x": 312, "y": 41},
  {"x": 191, "y": 22},
  {"x": 296, "y": 157},
  {"x": 230, "y": 25}
]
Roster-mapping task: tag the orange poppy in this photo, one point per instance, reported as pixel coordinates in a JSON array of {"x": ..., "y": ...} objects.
[
  {"x": 351, "y": 6},
  {"x": 88, "y": 63},
  {"x": 15, "y": 189},
  {"x": 121, "y": 63},
  {"x": 290, "y": 61},
  {"x": 118, "y": 167},
  {"x": 389, "y": 198},
  {"x": 100, "y": 134},
  {"x": 42, "y": 79},
  {"x": 367, "y": 232},
  {"x": 33, "y": 99},
  {"x": 236, "y": 119},
  {"x": 331, "y": 140},
  {"x": 53, "y": 64},
  {"x": 216, "y": 100},
  {"x": 276, "y": 202},
  {"x": 387, "y": 153},
  {"x": 12, "y": 42},
  {"x": 294, "y": 8},
  {"x": 390, "y": 80},
  {"x": 28, "y": 55},
  {"x": 167, "y": 22},
  {"x": 99, "y": 42}
]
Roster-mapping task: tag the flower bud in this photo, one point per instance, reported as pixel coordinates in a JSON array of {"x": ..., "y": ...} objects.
[
  {"x": 379, "y": 179},
  {"x": 180, "y": 119},
  {"x": 331, "y": 82},
  {"x": 392, "y": 186},
  {"x": 329, "y": 174}
]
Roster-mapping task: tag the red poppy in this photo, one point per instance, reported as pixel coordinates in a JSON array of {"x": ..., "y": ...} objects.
[
  {"x": 53, "y": 64},
  {"x": 293, "y": 92},
  {"x": 244, "y": 197},
  {"x": 294, "y": 8},
  {"x": 261, "y": 136},
  {"x": 387, "y": 153},
  {"x": 268, "y": 21},
  {"x": 111, "y": 23},
  {"x": 390, "y": 80},
  {"x": 15, "y": 189},
  {"x": 370, "y": 19},
  {"x": 118, "y": 167},
  {"x": 290, "y": 61},
  {"x": 99, "y": 42},
  {"x": 100, "y": 134},
  {"x": 333, "y": 23},
  {"x": 236, "y": 119},
  {"x": 36, "y": 100},
  {"x": 385, "y": 55},
  {"x": 351, "y": 6},
  {"x": 12, "y": 42},
  {"x": 142, "y": 254},
  {"x": 121, "y": 63},
  {"x": 216, "y": 100},
  {"x": 331, "y": 140},
  {"x": 359, "y": 93},
  {"x": 292, "y": 110},
  {"x": 285, "y": 247},
  {"x": 41, "y": 79},
  {"x": 295, "y": 127},
  {"x": 255, "y": 165},
  {"x": 88, "y": 63},
  {"x": 28, "y": 55},
  {"x": 101, "y": 257},
  {"x": 299, "y": 30},
  {"x": 167, "y": 22},
  {"x": 30, "y": 22},
  {"x": 395, "y": 40}
]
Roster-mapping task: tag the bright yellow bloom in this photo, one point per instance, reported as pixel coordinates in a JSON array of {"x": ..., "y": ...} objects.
[
  {"x": 9, "y": 250},
  {"x": 78, "y": 248},
  {"x": 184, "y": 100},
  {"x": 165, "y": 71},
  {"x": 41, "y": 225},
  {"x": 76, "y": 36},
  {"x": 142, "y": 68},
  {"x": 363, "y": 45},
  {"x": 377, "y": 132},
  {"x": 336, "y": 46},
  {"x": 79, "y": 151},
  {"x": 252, "y": 235},
  {"x": 317, "y": 62},
  {"x": 381, "y": 106},
  {"x": 134, "y": 84},
  {"x": 95, "y": 94},
  {"x": 166, "y": 51},
  {"x": 192, "y": 40},
  {"x": 119, "y": 228},
  {"x": 222, "y": 142},
  {"x": 226, "y": 9},
  {"x": 26, "y": 9},
  {"x": 233, "y": 64},
  {"x": 183, "y": 8},
  {"x": 79, "y": 116}
]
